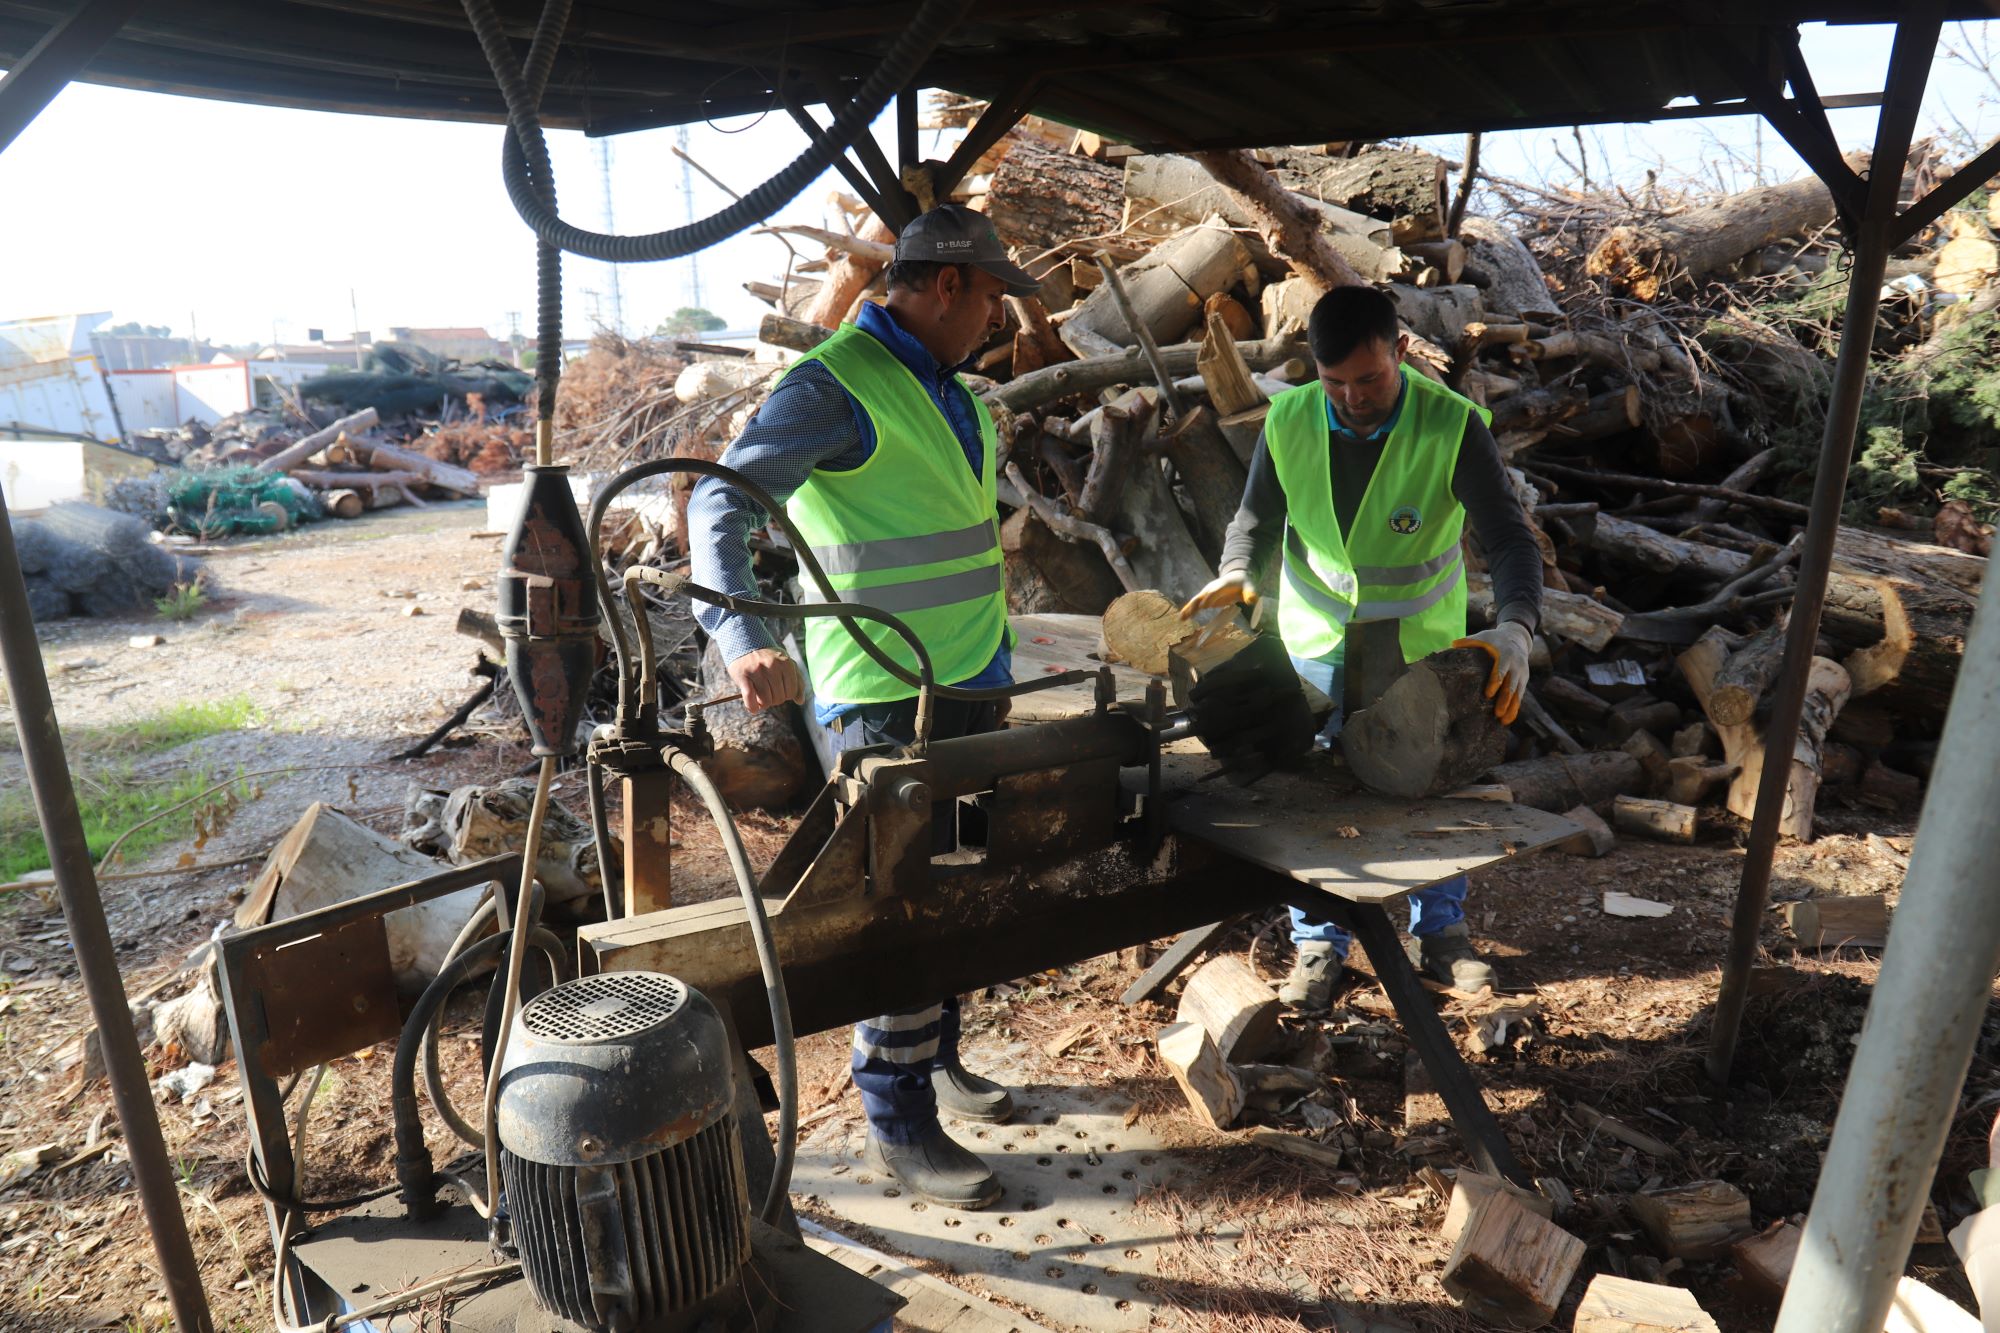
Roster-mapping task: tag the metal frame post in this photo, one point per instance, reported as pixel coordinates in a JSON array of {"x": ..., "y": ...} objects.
[
  {"x": 96, "y": 961},
  {"x": 1930, "y": 1000},
  {"x": 48, "y": 67},
  {"x": 1871, "y": 236}
]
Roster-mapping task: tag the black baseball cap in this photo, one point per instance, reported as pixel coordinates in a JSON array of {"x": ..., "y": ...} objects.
[{"x": 954, "y": 234}]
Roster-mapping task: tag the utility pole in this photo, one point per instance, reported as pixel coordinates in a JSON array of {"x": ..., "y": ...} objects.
[
  {"x": 194, "y": 340},
  {"x": 354, "y": 309},
  {"x": 687, "y": 202},
  {"x": 611, "y": 229}
]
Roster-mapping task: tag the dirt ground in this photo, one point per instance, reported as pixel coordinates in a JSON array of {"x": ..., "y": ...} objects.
[{"x": 314, "y": 628}]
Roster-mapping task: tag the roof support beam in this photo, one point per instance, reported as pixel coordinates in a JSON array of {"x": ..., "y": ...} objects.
[
  {"x": 842, "y": 163},
  {"x": 1870, "y": 232},
  {"x": 1003, "y": 113},
  {"x": 888, "y": 184},
  {"x": 35, "y": 79},
  {"x": 1801, "y": 119}
]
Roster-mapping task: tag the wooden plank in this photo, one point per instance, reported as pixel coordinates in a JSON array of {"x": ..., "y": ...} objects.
[
  {"x": 1174, "y": 961},
  {"x": 1314, "y": 827}
]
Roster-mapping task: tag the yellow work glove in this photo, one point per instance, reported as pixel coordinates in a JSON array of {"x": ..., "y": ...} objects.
[
  {"x": 1510, "y": 643},
  {"x": 1228, "y": 590}
]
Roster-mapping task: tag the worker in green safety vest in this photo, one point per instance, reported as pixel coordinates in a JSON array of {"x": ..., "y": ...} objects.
[
  {"x": 885, "y": 463},
  {"x": 1366, "y": 479}
]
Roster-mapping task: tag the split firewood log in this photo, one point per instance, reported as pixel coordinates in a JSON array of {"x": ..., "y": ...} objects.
[
  {"x": 1432, "y": 731},
  {"x": 1167, "y": 287},
  {"x": 1827, "y": 688}
]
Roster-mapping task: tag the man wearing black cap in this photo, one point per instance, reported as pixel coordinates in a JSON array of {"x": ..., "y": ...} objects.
[{"x": 885, "y": 463}]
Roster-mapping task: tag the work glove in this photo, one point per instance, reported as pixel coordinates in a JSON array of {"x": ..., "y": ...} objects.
[
  {"x": 1510, "y": 643},
  {"x": 1226, "y": 590}
]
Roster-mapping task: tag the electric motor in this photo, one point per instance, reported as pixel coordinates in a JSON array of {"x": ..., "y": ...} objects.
[{"x": 620, "y": 1154}]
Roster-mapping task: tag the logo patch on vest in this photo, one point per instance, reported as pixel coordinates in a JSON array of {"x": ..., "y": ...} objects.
[{"x": 1406, "y": 520}]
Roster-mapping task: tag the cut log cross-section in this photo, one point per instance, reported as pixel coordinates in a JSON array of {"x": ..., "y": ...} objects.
[
  {"x": 1509, "y": 1266},
  {"x": 1233, "y": 1005}
]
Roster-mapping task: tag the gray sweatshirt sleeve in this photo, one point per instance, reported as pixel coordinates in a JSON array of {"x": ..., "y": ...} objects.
[
  {"x": 1260, "y": 519},
  {"x": 1515, "y": 561},
  {"x": 807, "y": 422}
]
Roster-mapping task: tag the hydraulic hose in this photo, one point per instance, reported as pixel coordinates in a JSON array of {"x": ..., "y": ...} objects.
[
  {"x": 926, "y": 678},
  {"x": 600, "y": 836},
  {"x": 528, "y": 171},
  {"x": 846, "y": 612},
  {"x": 690, "y": 771}
]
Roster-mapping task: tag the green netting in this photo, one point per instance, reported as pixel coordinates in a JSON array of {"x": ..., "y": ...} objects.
[{"x": 222, "y": 501}]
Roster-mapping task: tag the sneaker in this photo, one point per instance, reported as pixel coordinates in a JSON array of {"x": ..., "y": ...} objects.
[
  {"x": 935, "y": 1169},
  {"x": 1448, "y": 957},
  {"x": 1315, "y": 972},
  {"x": 964, "y": 1094}
]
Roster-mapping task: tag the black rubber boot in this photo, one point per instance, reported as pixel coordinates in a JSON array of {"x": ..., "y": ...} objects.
[
  {"x": 962, "y": 1093},
  {"x": 937, "y": 1170},
  {"x": 1448, "y": 957}
]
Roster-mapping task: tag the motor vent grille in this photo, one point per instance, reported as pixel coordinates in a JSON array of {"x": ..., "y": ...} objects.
[{"x": 604, "y": 1006}]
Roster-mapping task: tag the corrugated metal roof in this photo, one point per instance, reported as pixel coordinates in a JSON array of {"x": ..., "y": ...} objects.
[{"x": 1186, "y": 74}]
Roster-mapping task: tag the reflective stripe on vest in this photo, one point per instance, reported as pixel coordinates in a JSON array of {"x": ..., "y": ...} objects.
[
  {"x": 911, "y": 531},
  {"x": 1400, "y": 559},
  {"x": 899, "y": 552}
]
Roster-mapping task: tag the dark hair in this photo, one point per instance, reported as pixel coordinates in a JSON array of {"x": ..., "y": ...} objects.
[
  {"x": 917, "y": 275},
  {"x": 1347, "y": 317}
]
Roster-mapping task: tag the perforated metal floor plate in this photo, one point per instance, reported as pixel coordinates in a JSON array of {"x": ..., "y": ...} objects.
[{"x": 1065, "y": 1240}]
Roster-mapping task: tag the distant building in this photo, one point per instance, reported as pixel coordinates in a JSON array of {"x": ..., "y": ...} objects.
[{"x": 140, "y": 351}]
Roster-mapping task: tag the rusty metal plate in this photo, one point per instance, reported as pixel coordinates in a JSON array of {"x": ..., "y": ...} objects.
[
  {"x": 325, "y": 996},
  {"x": 1050, "y": 813}
]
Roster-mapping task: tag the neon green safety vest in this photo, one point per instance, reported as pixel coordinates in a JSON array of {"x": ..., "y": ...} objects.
[
  {"x": 1401, "y": 558},
  {"x": 911, "y": 532}
]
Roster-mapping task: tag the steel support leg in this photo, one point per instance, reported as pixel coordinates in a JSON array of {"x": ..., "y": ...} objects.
[
  {"x": 1484, "y": 1138},
  {"x": 1929, "y": 1002},
  {"x": 83, "y": 910},
  {"x": 1870, "y": 238}
]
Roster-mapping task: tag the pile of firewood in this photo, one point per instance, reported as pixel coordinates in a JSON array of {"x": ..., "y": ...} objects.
[{"x": 353, "y": 470}]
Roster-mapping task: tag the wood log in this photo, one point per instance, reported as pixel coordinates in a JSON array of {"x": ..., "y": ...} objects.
[
  {"x": 389, "y": 458},
  {"x": 1606, "y": 414},
  {"x": 1289, "y": 225},
  {"x": 1659, "y": 553},
  {"x": 1620, "y": 1305},
  {"x": 1040, "y": 197},
  {"x": 1569, "y": 616},
  {"x": 1231, "y": 387},
  {"x": 1570, "y": 699},
  {"x": 1190, "y": 1056},
  {"x": 1510, "y": 1267},
  {"x": 368, "y": 481},
  {"x": 1645, "y": 747},
  {"x": 1650, "y": 258},
  {"x": 1447, "y": 257},
  {"x": 1432, "y": 731},
  {"x": 1165, "y": 193},
  {"x": 1561, "y": 781},
  {"x": 1536, "y": 408},
  {"x": 1140, "y": 627},
  {"x": 1469, "y": 1188},
  {"x": 1691, "y": 778},
  {"x": 1843, "y": 921},
  {"x": 294, "y": 454},
  {"x": 1596, "y": 840},
  {"x": 1212, "y": 646},
  {"x": 1212, "y": 477},
  {"x": 1073, "y": 529},
  {"x": 1765, "y": 1261},
  {"x": 343, "y": 503},
  {"x": 1298, "y": 1146},
  {"x": 1888, "y": 789},
  {"x": 1826, "y": 692},
  {"x": 1036, "y": 343},
  {"x": 1233, "y": 1005},
  {"x": 1113, "y": 456},
  {"x": 1439, "y": 314},
  {"x": 759, "y": 760},
  {"x": 1047, "y": 572},
  {"x": 1641, "y": 713},
  {"x": 1741, "y": 684},
  {"x": 1661, "y": 820},
  {"x": 1167, "y": 287},
  {"x": 1936, "y": 590},
  {"x": 1513, "y": 286},
  {"x": 1696, "y": 739},
  {"x": 1401, "y": 186},
  {"x": 1695, "y": 1221},
  {"x": 794, "y": 335},
  {"x": 1094, "y": 373},
  {"x": 1166, "y": 556},
  {"x": 847, "y": 277}
]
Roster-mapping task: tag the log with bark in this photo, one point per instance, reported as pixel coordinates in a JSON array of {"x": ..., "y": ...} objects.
[
  {"x": 1091, "y": 374},
  {"x": 1167, "y": 288},
  {"x": 1040, "y": 197},
  {"x": 1827, "y": 688},
  {"x": 1432, "y": 731},
  {"x": 1403, "y": 187},
  {"x": 1048, "y": 572},
  {"x": 1228, "y": 1000},
  {"x": 1647, "y": 259},
  {"x": 294, "y": 454},
  {"x": 847, "y": 277},
  {"x": 1165, "y": 193},
  {"x": 1512, "y": 286},
  {"x": 759, "y": 760},
  {"x": 1561, "y": 781}
]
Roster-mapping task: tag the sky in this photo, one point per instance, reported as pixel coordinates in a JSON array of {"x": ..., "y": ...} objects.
[{"x": 250, "y": 224}]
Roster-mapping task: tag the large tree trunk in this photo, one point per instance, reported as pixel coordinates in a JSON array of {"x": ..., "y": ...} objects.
[
  {"x": 1165, "y": 193},
  {"x": 1513, "y": 279},
  {"x": 1648, "y": 258},
  {"x": 1040, "y": 196},
  {"x": 1047, "y": 573},
  {"x": 1400, "y": 186},
  {"x": 1167, "y": 557},
  {"x": 1938, "y": 588}
]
